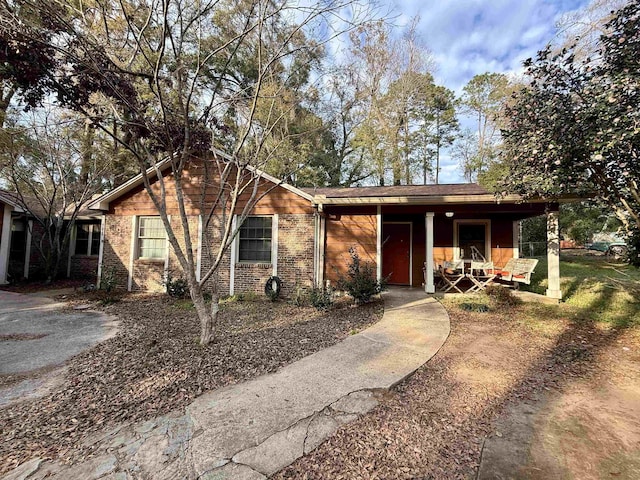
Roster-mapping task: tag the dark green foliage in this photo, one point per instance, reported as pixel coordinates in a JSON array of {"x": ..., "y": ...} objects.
[
  {"x": 109, "y": 280},
  {"x": 176, "y": 288},
  {"x": 574, "y": 128},
  {"x": 633, "y": 248},
  {"x": 578, "y": 221},
  {"x": 321, "y": 298},
  {"x": 474, "y": 307},
  {"x": 361, "y": 282}
]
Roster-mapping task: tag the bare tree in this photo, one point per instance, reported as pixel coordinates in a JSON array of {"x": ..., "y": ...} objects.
[
  {"x": 392, "y": 72},
  {"x": 181, "y": 77},
  {"x": 52, "y": 175},
  {"x": 581, "y": 29}
]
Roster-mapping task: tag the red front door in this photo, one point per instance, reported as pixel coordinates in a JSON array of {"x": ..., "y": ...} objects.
[{"x": 396, "y": 252}]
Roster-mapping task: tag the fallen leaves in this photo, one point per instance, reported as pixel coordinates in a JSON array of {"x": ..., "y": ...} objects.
[
  {"x": 155, "y": 365},
  {"x": 434, "y": 423}
]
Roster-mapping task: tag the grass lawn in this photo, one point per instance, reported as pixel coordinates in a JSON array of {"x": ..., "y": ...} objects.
[
  {"x": 574, "y": 368},
  {"x": 595, "y": 289}
]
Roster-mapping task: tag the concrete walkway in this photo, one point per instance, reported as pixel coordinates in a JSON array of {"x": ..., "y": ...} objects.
[
  {"x": 63, "y": 334},
  {"x": 254, "y": 429}
]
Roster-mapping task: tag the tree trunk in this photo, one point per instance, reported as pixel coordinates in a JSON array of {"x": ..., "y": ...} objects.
[
  {"x": 87, "y": 153},
  {"x": 437, "y": 148},
  {"x": 207, "y": 318}
]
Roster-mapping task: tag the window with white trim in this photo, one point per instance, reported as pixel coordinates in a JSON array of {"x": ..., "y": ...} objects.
[
  {"x": 152, "y": 238},
  {"x": 254, "y": 240},
  {"x": 87, "y": 240}
]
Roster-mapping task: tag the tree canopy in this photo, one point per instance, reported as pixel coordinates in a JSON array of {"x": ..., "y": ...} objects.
[{"x": 576, "y": 128}]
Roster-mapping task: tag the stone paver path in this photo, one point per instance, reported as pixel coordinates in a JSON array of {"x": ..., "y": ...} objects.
[{"x": 254, "y": 429}]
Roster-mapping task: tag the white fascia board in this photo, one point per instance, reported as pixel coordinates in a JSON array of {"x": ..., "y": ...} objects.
[
  {"x": 12, "y": 203},
  {"x": 435, "y": 200},
  {"x": 102, "y": 203}
]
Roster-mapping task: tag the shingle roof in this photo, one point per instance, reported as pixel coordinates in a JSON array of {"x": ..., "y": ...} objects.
[{"x": 401, "y": 191}]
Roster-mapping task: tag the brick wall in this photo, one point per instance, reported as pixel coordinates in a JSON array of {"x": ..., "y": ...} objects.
[
  {"x": 116, "y": 250},
  {"x": 148, "y": 274},
  {"x": 210, "y": 246},
  {"x": 84, "y": 267},
  {"x": 295, "y": 252},
  {"x": 295, "y": 257},
  {"x": 252, "y": 277}
]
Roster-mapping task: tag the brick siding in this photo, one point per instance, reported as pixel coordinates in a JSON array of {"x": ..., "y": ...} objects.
[
  {"x": 295, "y": 257},
  {"x": 84, "y": 267}
]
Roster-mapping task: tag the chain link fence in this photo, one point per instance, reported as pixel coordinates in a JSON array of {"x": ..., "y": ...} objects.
[{"x": 533, "y": 249}]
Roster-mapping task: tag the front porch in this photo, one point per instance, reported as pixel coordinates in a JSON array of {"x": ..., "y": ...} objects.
[
  {"x": 405, "y": 228},
  {"x": 411, "y": 240}
]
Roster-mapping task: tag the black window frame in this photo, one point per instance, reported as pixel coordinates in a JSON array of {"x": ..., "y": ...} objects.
[
  {"x": 90, "y": 244},
  {"x": 255, "y": 240}
]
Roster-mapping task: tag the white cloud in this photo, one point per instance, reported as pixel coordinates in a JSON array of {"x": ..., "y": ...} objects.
[{"x": 471, "y": 37}]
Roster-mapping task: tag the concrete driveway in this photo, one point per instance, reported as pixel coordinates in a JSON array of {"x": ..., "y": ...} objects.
[{"x": 64, "y": 333}]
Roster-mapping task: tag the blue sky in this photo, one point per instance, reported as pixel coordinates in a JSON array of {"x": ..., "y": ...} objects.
[{"x": 469, "y": 37}]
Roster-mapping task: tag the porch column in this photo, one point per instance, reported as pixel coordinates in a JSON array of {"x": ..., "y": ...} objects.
[
  {"x": 516, "y": 239},
  {"x": 429, "y": 286},
  {"x": 27, "y": 250},
  {"x": 553, "y": 255},
  {"x": 379, "y": 243},
  {"x": 5, "y": 240},
  {"x": 321, "y": 249},
  {"x": 103, "y": 227}
]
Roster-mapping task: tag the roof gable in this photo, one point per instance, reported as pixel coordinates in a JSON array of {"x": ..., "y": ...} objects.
[{"x": 102, "y": 202}]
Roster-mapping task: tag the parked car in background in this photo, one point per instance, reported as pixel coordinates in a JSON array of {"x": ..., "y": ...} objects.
[{"x": 616, "y": 249}]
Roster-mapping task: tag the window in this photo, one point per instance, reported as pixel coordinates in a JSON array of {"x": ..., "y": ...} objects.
[
  {"x": 18, "y": 241},
  {"x": 255, "y": 240},
  {"x": 152, "y": 239},
  {"x": 472, "y": 237},
  {"x": 87, "y": 239}
]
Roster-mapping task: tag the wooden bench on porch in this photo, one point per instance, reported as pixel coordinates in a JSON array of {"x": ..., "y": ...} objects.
[{"x": 517, "y": 270}]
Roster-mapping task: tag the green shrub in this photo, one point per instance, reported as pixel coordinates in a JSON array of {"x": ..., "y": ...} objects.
[
  {"x": 321, "y": 298},
  {"x": 176, "y": 288},
  {"x": 361, "y": 282},
  {"x": 500, "y": 295},
  {"x": 248, "y": 296},
  {"x": 109, "y": 280}
]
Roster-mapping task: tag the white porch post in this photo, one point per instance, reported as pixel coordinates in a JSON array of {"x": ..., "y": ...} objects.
[
  {"x": 5, "y": 240},
  {"x": 233, "y": 254},
  {"x": 516, "y": 239},
  {"x": 320, "y": 228},
  {"x": 103, "y": 227},
  {"x": 379, "y": 243},
  {"x": 321, "y": 262},
  {"x": 27, "y": 250},
  {"x": 429, "y": 286},
  {"x": 553, "y": 255},
  {"x": 274, "y": 244},
  {"x": 199, "y": 252}
]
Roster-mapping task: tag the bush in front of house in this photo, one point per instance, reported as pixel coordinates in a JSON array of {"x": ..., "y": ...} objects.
[
  {"x": 321, "y": 298},
  {"x": 176, "y": 288},
  {"x": 502, "y": 296},
  {"x": 361, "y": 282}
]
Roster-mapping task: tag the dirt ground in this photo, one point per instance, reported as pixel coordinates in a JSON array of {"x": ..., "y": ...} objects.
[{"x": 580, "y": 383}]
